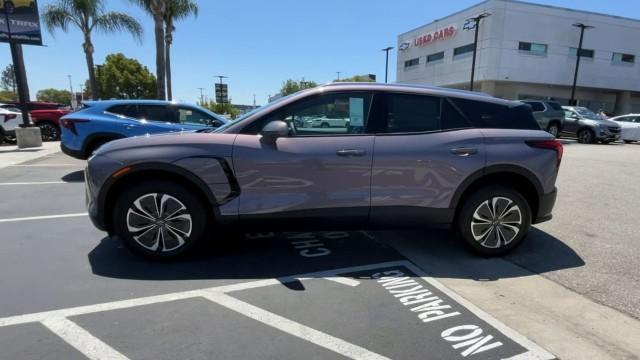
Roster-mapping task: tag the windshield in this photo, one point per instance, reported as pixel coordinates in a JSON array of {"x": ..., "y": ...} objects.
[
  {"x": 586, "y": 113},
  {"x": 250, "y": 113}
]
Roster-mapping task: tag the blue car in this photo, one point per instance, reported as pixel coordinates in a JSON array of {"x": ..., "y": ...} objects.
[{"x": 98, "y": 122}]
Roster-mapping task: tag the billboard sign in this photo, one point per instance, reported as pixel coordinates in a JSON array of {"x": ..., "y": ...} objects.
[
  {"x": 20, "y": 22},
  {"x": 222, "y": 93}
]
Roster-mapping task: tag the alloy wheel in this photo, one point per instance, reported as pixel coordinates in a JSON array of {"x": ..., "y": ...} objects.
[
  {"x": 496, "y": 222},
  {"x": 159, "y": 222},
  {"x": 49, "y": 132},
  {"x": 585, "y": 136},
  {"x": 553, "y": 130}
]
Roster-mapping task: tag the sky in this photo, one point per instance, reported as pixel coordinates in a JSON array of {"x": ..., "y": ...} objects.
[{"x": 259, "y": 44}]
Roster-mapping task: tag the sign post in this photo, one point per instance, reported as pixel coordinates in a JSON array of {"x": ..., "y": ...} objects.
[{"x": 21, "y": 25}]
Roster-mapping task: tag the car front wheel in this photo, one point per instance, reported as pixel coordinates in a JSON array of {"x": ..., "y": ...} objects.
[
  {"x": 553, "y": 129},
  {"x": 585, "y": 136},
  {"x": 494, "y": 220},
  {"x": 159, "y": 219}
]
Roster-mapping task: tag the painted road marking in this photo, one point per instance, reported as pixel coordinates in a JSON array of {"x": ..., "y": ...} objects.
[
  {"x": 35, "y": 183},
  {"x": 291, "y": 327},
  {"x": 219, "y": 294},
  {"x": 43, "y": 217},
  {"x": 89, "y": 345}
]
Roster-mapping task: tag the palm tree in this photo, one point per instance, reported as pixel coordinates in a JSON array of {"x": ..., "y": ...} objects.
[
  {"x": 176, "y": 10},
  {"x": 89, "y": 15},
  {"x": 157, "y": 9}
]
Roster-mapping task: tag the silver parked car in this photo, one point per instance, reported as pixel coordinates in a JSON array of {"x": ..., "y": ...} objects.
[
  {"x": 548, "y": 114},
  {"x": 408, "y": 156}
]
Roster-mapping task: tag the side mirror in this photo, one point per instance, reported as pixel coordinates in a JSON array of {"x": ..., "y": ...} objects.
[{"x": 275, "y": 129}]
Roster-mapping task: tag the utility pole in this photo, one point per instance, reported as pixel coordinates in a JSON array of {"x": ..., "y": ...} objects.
[
  {"x": 73, "y": 97},
  {"x": 201, "y": 95},
  {"x": 583, "y": 27},
  {"x": 475, "y": 45},
  {"x": 338, "y": 72},
  {"x": 386, "y": 66}
]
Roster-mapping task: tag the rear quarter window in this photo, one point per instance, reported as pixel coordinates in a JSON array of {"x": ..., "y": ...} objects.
[
  {"x": 495, "y": 116},
  {"x": 555, "y": 106}
]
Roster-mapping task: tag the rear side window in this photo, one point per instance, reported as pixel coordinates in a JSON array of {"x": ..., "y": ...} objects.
[
  {"x": 555, "y": 106},
  {"x": 124, "y": 110},
  {"x": 494, "y": 116},
  {"x": 412, "y": 113},
  {"x": 156, "y": 113},
  {"x": 451, "y": 117}
]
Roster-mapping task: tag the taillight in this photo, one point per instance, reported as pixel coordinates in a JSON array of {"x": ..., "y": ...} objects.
[
  {"x": 71, "y": 124},
  {"x": 550, "y": 145},
  {"x": 9, "y": 117}
]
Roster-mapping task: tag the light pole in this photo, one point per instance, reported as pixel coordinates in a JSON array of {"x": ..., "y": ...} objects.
[
  {"x": 386, "y": 66},
  {"x": 338, "y": 72},
  {"x": 71, "y": 88},
  {"x": 475, "y": 45},
  {"x": 582, "y": 27}
]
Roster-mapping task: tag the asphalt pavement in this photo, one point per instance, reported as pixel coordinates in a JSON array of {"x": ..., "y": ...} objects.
[{"x": 69, "y": 291}]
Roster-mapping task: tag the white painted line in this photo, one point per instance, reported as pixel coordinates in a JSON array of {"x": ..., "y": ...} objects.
[
  {"x": 535, "y": 351},
  {"x": 45, "y": 165},
  {"x": 89, "y": 345},
  {"x": 291, "y": 327},
  {"x": 343, "y": 280},
  {"x": 43, "y": 217},
  {"x": 35, "y": 183}
]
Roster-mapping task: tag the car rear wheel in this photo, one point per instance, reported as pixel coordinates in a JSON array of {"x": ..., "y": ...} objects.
[
  {"x": 49, "y": 131},
  {"x": 324, "y": 125},
  {"x": 494, "y": 220},
  {"x": 585, "y": 136},
  {"x": 159, "y": 219}
]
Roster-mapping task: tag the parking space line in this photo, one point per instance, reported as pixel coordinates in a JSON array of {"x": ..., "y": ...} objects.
[
  {"x": 293, "y": 328},
  {"x": 35, "y": 183},
  {"x": 343, "y": 280},
  {"x": 89, "y": 345},
  {"x": 46, "y": 217}
]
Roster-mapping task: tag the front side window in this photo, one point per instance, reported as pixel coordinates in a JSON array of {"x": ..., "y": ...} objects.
[
  {"x": 587, "y": 53},
  {"x": 195, "y": 117},
  {"x": 412, "y": 113}
]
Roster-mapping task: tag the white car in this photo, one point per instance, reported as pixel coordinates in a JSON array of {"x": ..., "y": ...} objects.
[
  {"x": 630, "y": 125},
  {"x": 10, "y": 119}
]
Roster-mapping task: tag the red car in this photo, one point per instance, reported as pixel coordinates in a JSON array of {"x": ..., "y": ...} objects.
[{"x": 47, "y": 117}]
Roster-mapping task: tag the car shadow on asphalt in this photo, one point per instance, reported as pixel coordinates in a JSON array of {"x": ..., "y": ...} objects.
[
  {"x": 73, "y": 177},
  {"x": 239, "y": 257}
]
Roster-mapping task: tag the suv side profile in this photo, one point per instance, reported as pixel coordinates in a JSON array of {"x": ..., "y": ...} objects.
[
  {"x": 589, "y": 127},
  {"x": 408, "y": 156},
  {"x": 548, "y": 114},
  {"x": 99, "y": 122}
]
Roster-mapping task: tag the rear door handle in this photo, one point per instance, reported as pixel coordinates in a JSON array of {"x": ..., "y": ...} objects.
[
  {"x": 350, "y": 152},
  {"x": 464, "y": 151}
]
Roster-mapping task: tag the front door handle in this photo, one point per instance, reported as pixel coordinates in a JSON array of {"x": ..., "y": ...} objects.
[
  {"x": 350, "y": 152},
  {"x": 464, "y": 151}
]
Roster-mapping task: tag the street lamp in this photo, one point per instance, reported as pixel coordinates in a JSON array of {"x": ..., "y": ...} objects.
[
  {"x": 386, "y": 66},
  {"x": 338, "y": 72},
  {"x": 476, "y": 20},
  {"x": 582, "y": 27}
]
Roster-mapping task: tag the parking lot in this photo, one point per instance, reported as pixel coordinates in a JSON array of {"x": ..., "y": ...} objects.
[{"x": 69, "y": 291}]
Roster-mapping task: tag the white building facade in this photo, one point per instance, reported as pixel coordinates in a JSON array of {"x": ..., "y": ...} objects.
[{"x": 528, "y": 51}]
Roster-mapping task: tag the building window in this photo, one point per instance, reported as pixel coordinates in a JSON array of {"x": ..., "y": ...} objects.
[
  {"x": 621, "y": 58},
  {"x": 587, "y": 53},
  {"x": 435, "y": 57},
  {"x": 532, "y": 48},
  {"x": 462, "y": 50},
  {"x": 411, "y": 63}
]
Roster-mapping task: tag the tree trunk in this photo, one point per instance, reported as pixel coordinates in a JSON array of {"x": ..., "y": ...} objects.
[
  {"x": 168, "y": 63},
  {"x": 160, "y": 60},
  {"x": 88, "y": 52}
]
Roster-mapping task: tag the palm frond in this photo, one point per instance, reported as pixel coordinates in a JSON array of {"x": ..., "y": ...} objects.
[
  {"x": 180, "y": 9},
  {"x": 112, "y": 22},
  {"x": 58, "y": 16}
]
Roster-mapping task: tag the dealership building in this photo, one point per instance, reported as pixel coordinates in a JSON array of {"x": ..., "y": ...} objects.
[{"x": 528, "y": 50}]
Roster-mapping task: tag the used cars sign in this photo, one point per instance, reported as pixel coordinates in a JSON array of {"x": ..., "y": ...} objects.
[{"x": 20, "y": 22}]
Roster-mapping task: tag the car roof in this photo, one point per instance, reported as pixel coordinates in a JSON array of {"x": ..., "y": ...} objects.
[{"x": 416, "y": 89}]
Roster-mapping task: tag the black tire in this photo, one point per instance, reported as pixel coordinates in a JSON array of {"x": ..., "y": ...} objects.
[
  {"x": 49, "y": 131},
  {"x": 629, "y": 141},
  {"x": 507, "y": 239},
  {"x": 554, "y": 129},
  {"x": 169, "y": 247},
  {"x": 95, "y": 144},
  {"x": 586, "y": 136},
  {"x": 606, "y": 142}
]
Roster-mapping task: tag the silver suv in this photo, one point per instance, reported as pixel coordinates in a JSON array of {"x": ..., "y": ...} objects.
[{"x": 407, "y": 156}]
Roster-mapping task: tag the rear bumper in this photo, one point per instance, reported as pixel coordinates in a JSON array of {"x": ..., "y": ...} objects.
[
  {"x": 78, "y": 154},
  {"x": 546, "y": 203}
]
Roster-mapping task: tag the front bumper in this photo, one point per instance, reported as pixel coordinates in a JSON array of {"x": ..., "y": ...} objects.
[{"x": 546, "y": 203}]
